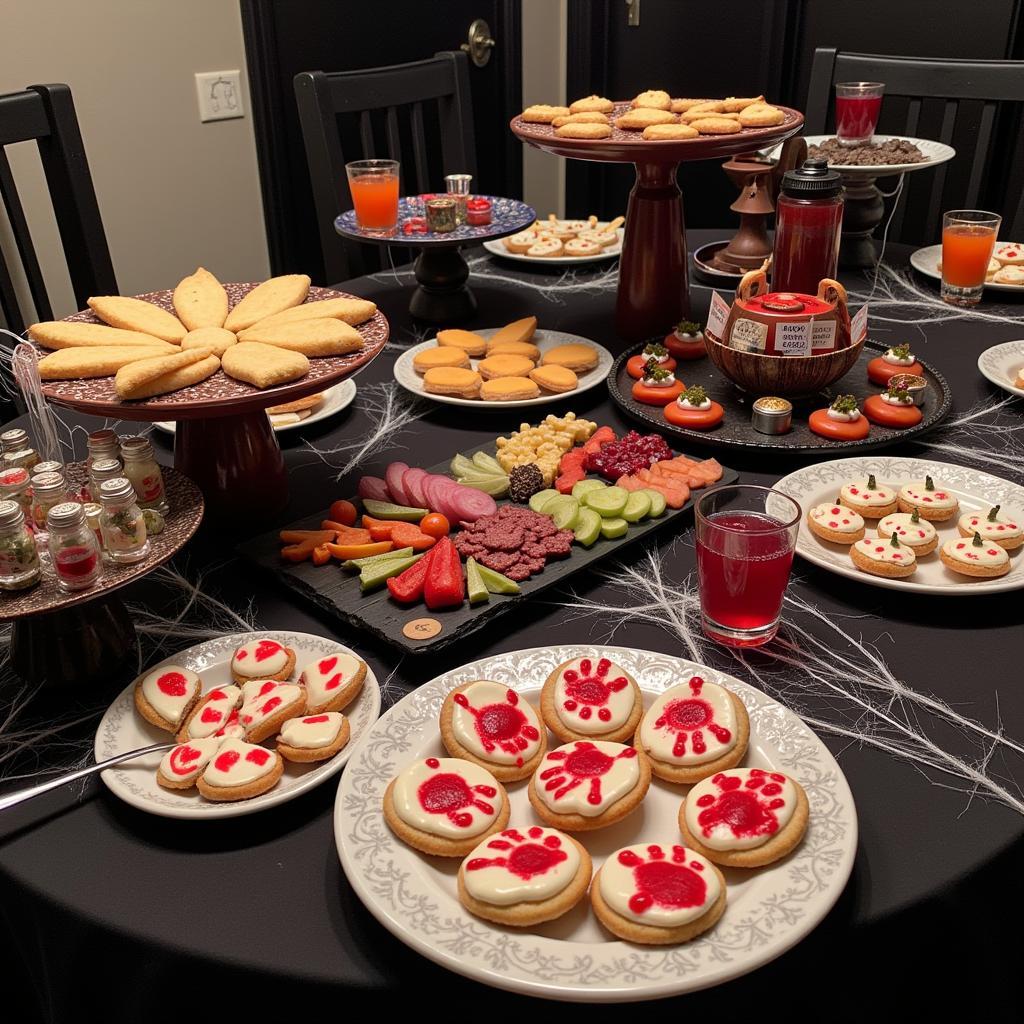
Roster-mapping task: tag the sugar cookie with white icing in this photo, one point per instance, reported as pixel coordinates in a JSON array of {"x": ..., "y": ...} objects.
[
  {"x": 183, "y": 764},
  {"x": 211, "y": 713},
  {"x": 491, "y": 725},
  {"x": 591, "y": 698},
  {"x": 445, "y": 806},
  {"x": 264, "y": 715},
  {"x": 658, "y": 894},
  {"x": 834, "y": 522},
  {"x": 693, "y": 730},
  {"x": 912, "y": 530},
  {"x": 745, "y": 817},
  {"x": 975, "y": 557},
  {"x": 999, "y": 527},
  {"x": 313, "y": 737},
  {"x": 524, "y": 876},
  {"x": 869, "y": 498},
  {"x": 932, "y": 503},
  {"x": 262, "y": 658},
  {"x": 881, "y": 557},
  {"x": 165, "y": 696},
  {"x": 240, "y": 771},
  {"x": 332, "y": 683}
]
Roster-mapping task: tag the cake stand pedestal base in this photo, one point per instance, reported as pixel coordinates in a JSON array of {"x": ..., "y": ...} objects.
[
  {"x": 862, "y": 213},
  {"x": 442, "y": 296}
]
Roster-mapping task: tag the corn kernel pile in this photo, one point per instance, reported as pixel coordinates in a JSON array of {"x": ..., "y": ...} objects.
[{"x": 544, "y": 444}]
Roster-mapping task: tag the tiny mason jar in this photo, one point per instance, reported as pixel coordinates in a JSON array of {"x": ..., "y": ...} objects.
[
  {"x": 14, "y": 440},
  {"x": 102, "y": 444},
  {"x": 122, "y": 523},
  {"x": 16, "y": 486},
  {"x": 48, "y": 489},
  {"x": 47, "y": 467},
  {"x": 19, "y": 559},
  {"x": 26, "y": 458},
  {"x": 143, "y": 472},
  {"x": 74, "y": 553},
  {"x": 103, "y": 469}
]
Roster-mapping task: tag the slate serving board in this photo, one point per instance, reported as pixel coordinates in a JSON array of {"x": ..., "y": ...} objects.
[{"x": 337, "y": 591}]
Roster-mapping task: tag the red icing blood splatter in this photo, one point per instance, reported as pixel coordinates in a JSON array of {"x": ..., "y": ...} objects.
[
  {"x": 210, "y": 715},
  {"x": 174, "y": 684},
  {"x": 590, "y": 687},
  {"x": 267, "y": 649},
  {"x": 232, "y": 720},
  {"x": 524, "y": 857},
  {"x": 226, "y": 761},
  {"x": 501, "y": 725},
  {"x": 315, "y": 719},
  {"x": 259, "y": 756},
  {"x": 449, "y": 794},
  {"x": 689, "y": 716},
  {"x": 326, "y": 666},
  {"x": 181, "y": 759},
  {"x": 585, "y": 762},
  {"x": 746, "y": 809},
  {"x": 672, "y": 884}
]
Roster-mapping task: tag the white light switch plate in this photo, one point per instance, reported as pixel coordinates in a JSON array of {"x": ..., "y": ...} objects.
[{"x": 220, "y": 95}]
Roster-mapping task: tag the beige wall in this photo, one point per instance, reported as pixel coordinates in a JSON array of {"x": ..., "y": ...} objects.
[{"x": 173, "y": 192}]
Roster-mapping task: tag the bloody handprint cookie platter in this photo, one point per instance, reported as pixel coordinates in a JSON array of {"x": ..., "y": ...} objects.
[{"x": 665, "y": 911}]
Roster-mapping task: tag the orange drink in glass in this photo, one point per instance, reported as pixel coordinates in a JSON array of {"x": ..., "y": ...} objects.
[
  {"x": 968, "y": 238},
  {"x": 374, "y": 188}
]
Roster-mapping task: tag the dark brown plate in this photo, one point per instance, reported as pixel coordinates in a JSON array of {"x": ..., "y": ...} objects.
[
  {"x": 736, "y": 430},
  {"x": 219, "y": 395}
]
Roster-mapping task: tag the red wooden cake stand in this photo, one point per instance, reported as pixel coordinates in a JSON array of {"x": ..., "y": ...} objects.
[
  {"x": 224, "y": 440},
  {"x": 653, "y": 288}
]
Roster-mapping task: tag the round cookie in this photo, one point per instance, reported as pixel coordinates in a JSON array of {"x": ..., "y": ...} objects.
[
  {"x": 524, "y": 876},
  {"x": 589, "y": 784},
  {"x": 715, "y": 125},
  {"x": 975, "y": 557},
  {"x": 183, "y": 764},
  {"x": 262, "y": 659},
  {"x": 514, "y": 348},
  {"x": 591, "y": 699},
  {"x": 472, "y": 344},
  {"x": 658, "y": 894},
  {"x": 240, "y": 771},
  {"x": 670, "y": 131},
  {"x": 313, "y": 737},
  {"x": 431, "y": 357},
  {"x": 868, "y": 498},
  {"x": 932, "y": 503},
  {"x": 541, "y": 113},
  {"x": 577, "y": 130},
  {"x": 264, "y": 714},
  {"x": 912, "y": 530},
  {"x": 504, "y": 365},
  {"x": 693, "y": 730},
  {"x": 833, "y": 522},
  {"x": 576, "y": 357},
  {"x": 1006, "y": 531},
  {"x": 166, "y": 696},
  {"x": 509, "y": 389},
  {"x": 210, "y": 714},
  {"x": 584, "y": 117},
  {"x": 879, "y": 557},
  {"x": 653, "y": 99},
  {"x": 734, "y": 104},
  {"x": 521, "y": 241},
  {"x": 591, "y": 103},
  {"x": 444, "y": 806},
  {"x": 680, "y": 106},
  {"x": 545, "y": 247},
  {"x": 556, "y": 379},
  {"x": 491, "y": 725},
  {"x": 1009, "y": 254},
  {"x": 582, "y": 247},
  {"x": 452, "y": 380},
  {"x": 1009, "y": 275},
  {"x": 332, "y": 683},
  {"x": 640, "y": 118},
  {"x": 760, "y": 115},
  {"x": 744, "y": 817}
]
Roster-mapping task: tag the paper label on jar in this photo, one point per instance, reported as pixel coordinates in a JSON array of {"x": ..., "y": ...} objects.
[
  {"x": 748, "y": 335},
  {"x": 718, "y": 314},
  {"x": 859, "y": 325},
  {"x": 823, "y": 336},
  {"x": 793, "y": 339}
]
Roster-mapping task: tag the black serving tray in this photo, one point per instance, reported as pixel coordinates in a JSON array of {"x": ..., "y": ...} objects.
[{"x": 337, "y": 592}]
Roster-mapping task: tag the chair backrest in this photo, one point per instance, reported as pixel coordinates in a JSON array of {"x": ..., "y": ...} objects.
[
  {"x": 961, "y": 102},
  {"x": 386, "y": 113},
  {"x": 46, "y": 114}
]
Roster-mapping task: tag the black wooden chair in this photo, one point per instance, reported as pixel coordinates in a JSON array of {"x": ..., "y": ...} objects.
[
  {"x": 388, "y": 113},
  {"x": 968, "y": 104}
]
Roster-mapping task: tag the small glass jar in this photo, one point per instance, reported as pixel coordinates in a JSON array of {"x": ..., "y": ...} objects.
[
  {"x": 122, "y": 523},
  {"x": 441, "y": 214},
  {"x": 26, "y": 458},
  {"x": 47, "y": 467},
  {"x": 74, "y": 553},
  {"x": 102, "y": 444},
  {"x": 458, "y": 186},
  {"x": 92, "y": 517},
  {"x": 48, "y": 489},
  {"x": 100, "y": 470},
  {"x": 19, "y": 559},
  {"x": 14, "y": 440},
  {"x": 143, "y": 472},
  {"x": 16, "y": 486}
]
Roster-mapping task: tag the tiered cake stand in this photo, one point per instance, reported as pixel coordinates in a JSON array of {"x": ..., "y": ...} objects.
[
  {"x": 224, "y": 441},
  {"x": 653, "y": 288}
]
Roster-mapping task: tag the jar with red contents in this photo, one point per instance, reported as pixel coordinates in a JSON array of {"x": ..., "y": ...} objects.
[
  {"x": 478, "y": 211},
  {"x": 74, "y": 553}
]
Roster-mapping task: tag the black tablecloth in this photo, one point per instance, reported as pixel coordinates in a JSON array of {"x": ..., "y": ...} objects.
[{"x": 114, "y": 914}]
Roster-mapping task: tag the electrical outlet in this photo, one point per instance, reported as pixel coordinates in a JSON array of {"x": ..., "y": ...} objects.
[{"x": 220, "y": 95}]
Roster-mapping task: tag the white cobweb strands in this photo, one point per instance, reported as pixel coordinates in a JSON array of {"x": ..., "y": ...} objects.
[
  {"x": 990, "y": 434},
  {"x": 836, "y": 681}
]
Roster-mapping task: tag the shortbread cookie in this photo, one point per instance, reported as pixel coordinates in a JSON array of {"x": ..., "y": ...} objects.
[
  {"x": 504, "y": 365},
  {"x": 519, "y": 330},
  {"x": 881, "y": 557},
  {"x": 933, "y": 503},
  {"x": 472, "y": 344},
  {"x": 576, "y": 356},
  {"x": 452, "y": 380},
  {"x": 576, "y": 130},
  {"x": 541, "y": 113},
  {"x": 556, "y": 379},
  {"x": 1009, "y": 254},
  {"x": 546, "y": 247},
  {"x": 670, "y": 131},
  {"x": 524, "y": 876},
  {"x": 591, "y": 103},
  {"x": 1009, "y": 275},
  {"x": 240, "y": 771},
  {"x": 509, "y": 389},
  {"x": 216, "y": 339},
  {"x": 581, "y": 247},
  {"x": 165, "y": 696},
  {"x": 871, "y": 499},
  {"x": 733, "y": 104},
  {"x": 431, "y": 357},
  {"x": 745, "y": 817},
  {"x": 332, "y": 682},
  {"x": 591, "y": 698},
  {"x": 602, "y": 236},
  {"x": 653, "y": 99},
  {"x": 262, "y": 659},
  {"x": 760, "y": 116},
  {"x": 589, "y": 784},
  {"x": 349, "y": 310},
  {"x": 58, "y": 334},
  {"x": 716, "y": 125},
  {"x": 264, "y": 366},
  {"x": 491, "y": 725},
  {"x": 183, "y": 377},
  {"x": 1005, "y": 530},
  {"x": 138, "y": 315},
  {"x": 587, "y": 117},
  {"x": 833, "y": 522},
  {"x": 200, "y": 300},
  {"x": 91, "y": 361},
  {"x": 313, "y": 338},
  {"x": 444, "y": 806},
  {"x": 975, "y": 557},
  {"x": 263, "y": 716},
  {"x": 680, "y": 106},
  {"x": 912, "y": 530},
  {"x": 658, "y": 894},
  {"x": 266, "y": 299},
  {"x": 299, "y": 405},
  {"x": 514, "y": 348},
  {"x": 313, "y": 737},
  {"x": 211, "y": 713},
  {"x": 182, "y": 765},
  {"x": 640, "y": 118},
  {"x": 131, "y": 380},
  {"x": 521, "y": 241}
]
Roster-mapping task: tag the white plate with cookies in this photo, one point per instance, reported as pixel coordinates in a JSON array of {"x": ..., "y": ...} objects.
[
  {"x": 518, "y": 247},
  {"x": 590, "y": 368},
  {"x": 976, "y": 493},
  {"x": 426, "y": 900},
  {"x": 207, "y": 667},
  {"x": 1005, "y": 272},
  {"x": 1003, "y": 365}
]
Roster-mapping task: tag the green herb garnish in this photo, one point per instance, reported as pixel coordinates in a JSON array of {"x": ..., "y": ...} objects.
[
  {"x": 871, "y": 482},
  {"x": 688, "y": 327},
  {"x": 929, "y": 484},
  {"x": 993, "y": 514},
  {"x": 655, "y": 351},
  {"x": 894, "y": 541},
  {"x": 845, "y": 404},
  {"x": 695, "y": 395},
  {"x": 900, "y": 351},
  {"x": 915, "y": 516},
  {"x": 977, "y": 542},
  {"x": 902, "y": 395},
  {"x": 654, "y": 372}
]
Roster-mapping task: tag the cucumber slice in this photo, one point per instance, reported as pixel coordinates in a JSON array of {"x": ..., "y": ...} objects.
[
  {"x": 581, "y": 488},
  {"x": 360, "y": 563},
  {"x": 608, "y": 502},
  {"x": 638, "y": 505},
  {"x": 566, "y": 513},
  {"x": 588, "y": 527},
  {"x": 460, "y": 465},
  {"x": 496, "y": 583},
  {"x": 488, "y": 463},
  {"x": 558, "y": 501},
  {"x": 373, "y": 576},
  {"x": 614, "y": 528},
  {"x": 386, "y": 510},
  {"x": 475, "y": 585},
  {"x": 541, "y": 498},
  {"x": 495, "y": 486},
  {"x": 657, "y": 502}
]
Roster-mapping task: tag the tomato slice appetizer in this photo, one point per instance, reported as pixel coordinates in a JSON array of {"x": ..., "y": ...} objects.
[
  {"x": 879, "y": 371},
  {"x": 685, "y": 349},
  {"x": 635, "y": 366},
  {"x": 695, "y": 419},
  {"x": 897, "y": 416},
  {"x": 657, "y": 396},
  {"x": 840, "y": 430}
]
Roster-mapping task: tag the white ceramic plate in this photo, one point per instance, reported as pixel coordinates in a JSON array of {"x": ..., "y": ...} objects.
[
  {"x": 977, "y": 492},
  {"x": 1001, "y": 363},
  {"x": 926, "y": 261},
  {"x": 496, "y": 247},
  {"x": 122, "y": 728},
  {"x": 574, "y": 958},
  {"x": 336, "y": 398},
  {"x": 407, "y": 376},
  {"x": 935, "y": 152}
]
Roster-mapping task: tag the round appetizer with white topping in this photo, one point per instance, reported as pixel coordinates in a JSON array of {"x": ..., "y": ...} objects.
[
  {"x": 975, "y": 557},
  {"x": 687, "y": 340},
  {"x": 882, "y": 557},
  {"x": 591, "y": 698},
  {"x": 912, "y": 530},
  {"x": 1005, "y": 530},
  {"x": 834, "y": 522},
  {"x": 933, "y": 503},
  {"x": 897, "y": 359},
  {"x": 841, "y": 421},
  {"x": 869, "y": 498},
  {"x": 693, "y": 408}
]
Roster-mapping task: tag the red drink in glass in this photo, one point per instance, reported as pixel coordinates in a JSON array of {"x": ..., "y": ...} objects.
[{"x": 857, "y": 108}]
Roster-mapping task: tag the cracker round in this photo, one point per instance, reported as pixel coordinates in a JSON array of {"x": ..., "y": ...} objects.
[
  {"x": 584, "y": 117},
  {"x": 514, "y": 348},
  {"x": 452, "y": 380},
  {"x": 576, "y": 356},
  {"x": 472, "y": 344},
  {"x": 504, "y": 365},
  {"x": 680, "y": 106}
]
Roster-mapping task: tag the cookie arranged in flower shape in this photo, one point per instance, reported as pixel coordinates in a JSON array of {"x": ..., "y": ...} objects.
[
  {"x": 591, "y": 698},
  {"x": 524, "y": 876},
  {"x": 744, "y": 817},
  {"x": 658, "y": 893},
  {"x": 589, "y": 784},
  {"x": 491, "y": 725},
  {"x": 693, "y": 730},
  {"x": 166, "y": 696}
]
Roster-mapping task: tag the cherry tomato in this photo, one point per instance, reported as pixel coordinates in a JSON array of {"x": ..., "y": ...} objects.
[
  {"x": 684, "y": 349},
  {"x": 838, "y": 430},
  {"x": 657, "y": 396},
  {"x": 343, "y": 512},
  {"x": 635, "y": 366},
  {"x": 435, "y": 525},
  {"x": 695, "y": 419},
  {"x": 897, "y": 416},
  {"x": 879, "y": 371}
]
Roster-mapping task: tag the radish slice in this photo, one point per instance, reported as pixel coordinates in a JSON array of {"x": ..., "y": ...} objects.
[
  {"x": 373, "y": 487},
  {"x": 393, "y": 474},
  {"x": 434, "y": 489},
  {"x": 469, "y": 504},
  {"x": 412, "y": 483}
]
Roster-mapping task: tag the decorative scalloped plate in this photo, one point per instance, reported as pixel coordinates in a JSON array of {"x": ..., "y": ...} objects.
[
  {"x": 1001, "y": 364},
  {"x": 573, "y": 958},
  {"x": 926, "y": 261},
  {"x": 122, "y": 728},
  {"x": 977, "y": 492}
]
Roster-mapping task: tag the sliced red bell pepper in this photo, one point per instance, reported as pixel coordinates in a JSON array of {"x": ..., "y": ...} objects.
[
  {"x": 408, "y": 587},
  {"x": 445, "y": 586}
]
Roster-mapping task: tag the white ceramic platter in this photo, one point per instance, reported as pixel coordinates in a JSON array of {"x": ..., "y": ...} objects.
[
  {"x": 976, "y": 491},
  {"x": 122, "y": 728},
  {"x": 574, "y": 958},
  {"x": 496, "y": 247},
  {"x": 926, "y": 261},
  {"x": 1001, "y": 364},
  {"x": 935, "y": 152},
  {"x": 407, "y": 376},
  {"x": 336, "y": 398}
]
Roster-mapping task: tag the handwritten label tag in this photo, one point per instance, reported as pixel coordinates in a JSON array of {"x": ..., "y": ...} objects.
[
  {"x": 748, "y": 335},
  {"x": 793, "y": 339},
  {"x": 859, "y": 325},
  {"x": 823, "y": 336},
  {"x": 718, "y": 314}
]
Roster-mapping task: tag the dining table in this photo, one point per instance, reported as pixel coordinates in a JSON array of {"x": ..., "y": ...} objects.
[{"x": 109, "y": 913}]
